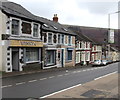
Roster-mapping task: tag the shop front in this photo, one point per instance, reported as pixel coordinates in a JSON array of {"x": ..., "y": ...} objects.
[{"x": 23, "y": 52}]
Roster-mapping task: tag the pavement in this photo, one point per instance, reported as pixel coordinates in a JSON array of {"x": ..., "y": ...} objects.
[{"x": 105, "y": 87}]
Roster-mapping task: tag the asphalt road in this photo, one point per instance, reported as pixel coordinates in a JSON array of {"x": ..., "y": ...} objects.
[{"x": 40, "y": 84}]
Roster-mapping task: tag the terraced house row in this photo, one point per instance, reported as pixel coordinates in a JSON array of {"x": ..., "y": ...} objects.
[{"x": 30, "y": 41}]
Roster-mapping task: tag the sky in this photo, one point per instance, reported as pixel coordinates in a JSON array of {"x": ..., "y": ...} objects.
[{"x": 93, "y": 13}]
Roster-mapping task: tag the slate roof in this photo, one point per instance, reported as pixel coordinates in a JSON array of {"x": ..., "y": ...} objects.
[{"x": 17, "y": 10}]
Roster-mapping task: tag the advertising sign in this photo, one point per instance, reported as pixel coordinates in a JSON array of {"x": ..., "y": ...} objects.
[{"x": 110, "y": 36}]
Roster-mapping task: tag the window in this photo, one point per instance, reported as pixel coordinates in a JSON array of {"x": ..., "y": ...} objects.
[
  {"x": 69, "y": 40},
  {"x": 35, "y": 30},
  {"x": 62, "y": 39},
  {"x": 69, "y": 54},
  {"x": 58, "y": 38},
  {"x": 50, "y": 57},
  {"x": 15, "y": 27},
  {"x": 49, "y": 38},
  {"x": 26, "y": 28},
  {"x": 46, "y": 25},
  {"x": 32, "y": 54},
  {"x": 80, "y": 45}
]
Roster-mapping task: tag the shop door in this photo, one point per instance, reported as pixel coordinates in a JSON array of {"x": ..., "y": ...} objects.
[{"x": 15, "y": 59}]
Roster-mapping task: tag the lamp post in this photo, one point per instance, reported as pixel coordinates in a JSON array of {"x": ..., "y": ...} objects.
[{"x": 109, "y": 31}]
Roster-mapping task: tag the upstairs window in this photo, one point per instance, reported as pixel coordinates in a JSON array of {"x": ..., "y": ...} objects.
[
  {"x": 26, "y": 28},
  {"x": 69, "y": 40},
  {"x": 62, "y": 39},
  {"x": 35, "y": 30},
  {"x": 15, "y": 27},
  {"x": 49, "y": 38},
  {"x": 59, "y": 38}
]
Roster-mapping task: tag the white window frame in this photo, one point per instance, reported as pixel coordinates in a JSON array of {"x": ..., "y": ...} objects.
[
  {"x": 23, "y": 34},
  {"x": 38, "y": 29},
  {"x": 51, "y": 38},
  {"x": 13, "y": 18}
]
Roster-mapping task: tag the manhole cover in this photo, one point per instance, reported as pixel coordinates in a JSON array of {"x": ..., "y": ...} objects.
[{"x": 94, "y": 93}]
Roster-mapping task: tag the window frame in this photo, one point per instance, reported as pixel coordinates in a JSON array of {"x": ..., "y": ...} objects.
[
  {"x": 69, "y": 55},
  {"x": 51, "y": 38},
  {"x": 24, "y": 34},
  {"x": 38, "y": 33},
  {"x": 11, "y": 27}
]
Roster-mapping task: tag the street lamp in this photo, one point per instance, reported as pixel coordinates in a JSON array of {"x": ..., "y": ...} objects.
[{"x": 109, "y": 31}]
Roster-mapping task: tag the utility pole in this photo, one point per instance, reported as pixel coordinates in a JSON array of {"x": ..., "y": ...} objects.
[{"x": 109, "y": 32}]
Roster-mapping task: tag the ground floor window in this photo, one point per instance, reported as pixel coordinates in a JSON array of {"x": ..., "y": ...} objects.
[
  {"x": 87, "y": 57},
  {"x": 69, "y": 55},
  {"x": 51, "y": 57},
  {"x": 32, "y": 54}
]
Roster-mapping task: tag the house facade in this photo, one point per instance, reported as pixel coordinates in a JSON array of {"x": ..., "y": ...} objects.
[
  {"x": 59, "y": 45},
  {"x": 96, "y": 53},
  {"x": 21, "y": 42},
  {"x": 83, "y": 52}
]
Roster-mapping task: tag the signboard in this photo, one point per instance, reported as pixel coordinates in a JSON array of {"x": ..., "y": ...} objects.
[
  {"x": 111, "y": 36},
  {"x": 25, "y": 43}
]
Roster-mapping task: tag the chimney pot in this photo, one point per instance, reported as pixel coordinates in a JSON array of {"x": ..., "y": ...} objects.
[{"x": 55, "y": 18}]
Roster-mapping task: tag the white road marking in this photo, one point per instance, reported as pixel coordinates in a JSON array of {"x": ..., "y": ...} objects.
[
  {"x": 43, "y": 79},
  {"x": 74, "y": 72},
  {"x": 66, "y": 71},
  {"x": 66, "y": 74},
  {"x": 79, "y": 71},
  {"x": 83, "y": 70},
  {"x": 105, "y": 75},
  {"x": 60, "y": 91},
  {"x": 60, "y": 75},
  {"x": 6, "y": 86},
  {"x": 32, "y": 81},
  {"x": 20, "y": 83},
  {"x": 51, "y": 76}
]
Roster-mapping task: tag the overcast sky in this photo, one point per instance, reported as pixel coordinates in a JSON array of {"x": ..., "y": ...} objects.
[{"x": 92, "y": 13}]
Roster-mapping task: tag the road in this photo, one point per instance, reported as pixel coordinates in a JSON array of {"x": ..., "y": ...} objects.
[{"x": 38, "y": 85}]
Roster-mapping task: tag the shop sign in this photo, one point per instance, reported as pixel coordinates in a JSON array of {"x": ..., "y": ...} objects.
[{"x": 25, "y": 43}]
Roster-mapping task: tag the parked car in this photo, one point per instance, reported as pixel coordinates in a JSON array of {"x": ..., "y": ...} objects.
[
  {"x": 97, "y": 63},
  {"x": 109, "y": 61},
  {"x": 104, "y": 62}
]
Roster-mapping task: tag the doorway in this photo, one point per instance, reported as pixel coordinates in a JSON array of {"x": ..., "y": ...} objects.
[{"x": 15, "y": 59}]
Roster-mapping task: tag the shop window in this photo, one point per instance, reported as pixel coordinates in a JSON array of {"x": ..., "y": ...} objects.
[
  {"x": 50, "y": 57},
  {"x": 26, "y": 28},
  {"x": 49, "y": 38},
  {"x": 15, "y": 27},
  {"x": 32, "y": 54},
  {"x": 35, "y": 30},
  {"x": 69, "y": 54}
]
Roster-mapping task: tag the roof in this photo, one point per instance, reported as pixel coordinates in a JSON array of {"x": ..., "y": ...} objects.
[
  {"x": 97, "y": 35},
  {"x": 17, "y": 10}
]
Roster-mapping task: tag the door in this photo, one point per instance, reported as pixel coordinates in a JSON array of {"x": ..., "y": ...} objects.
[
  {"x": 15, "y": 59},
  {"x": 60, "y": 58}
]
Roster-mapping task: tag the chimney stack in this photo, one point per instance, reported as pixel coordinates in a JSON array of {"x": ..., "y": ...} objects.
[{"x": 55, "y": 18}]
